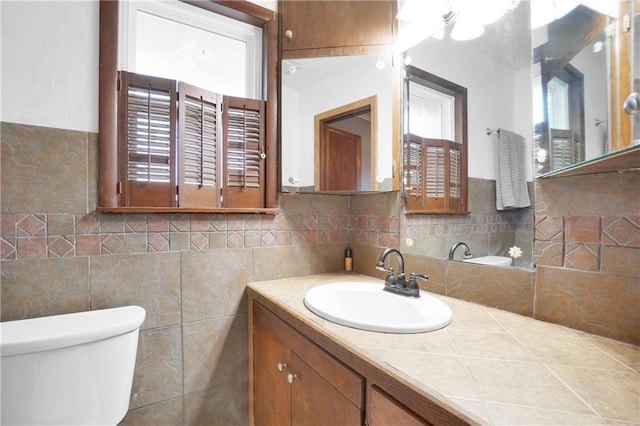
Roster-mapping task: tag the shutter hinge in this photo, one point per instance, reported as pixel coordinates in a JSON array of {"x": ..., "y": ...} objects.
[
  {"x": 221, "y": 197},
  {"x": 118, "y": 84},
  {"x": 119, "y": 188}
]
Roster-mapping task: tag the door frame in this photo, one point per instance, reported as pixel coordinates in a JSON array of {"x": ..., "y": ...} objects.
[{"x": 324, "y": 119}]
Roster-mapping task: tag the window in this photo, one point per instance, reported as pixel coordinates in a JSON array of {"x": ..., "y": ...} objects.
[
  {"x": 435, "y": 162},
  {"x": 167, "y": 144}
]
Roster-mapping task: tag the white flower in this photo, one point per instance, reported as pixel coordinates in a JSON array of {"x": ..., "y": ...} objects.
[
  {"x": 515, "y": 252},
  {"x": 409, "y": 242}
]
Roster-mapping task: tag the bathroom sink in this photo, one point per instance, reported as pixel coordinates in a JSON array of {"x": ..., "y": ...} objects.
[
  {"x": 491, "y": 260},
  {"x": 368, "y": 307}
]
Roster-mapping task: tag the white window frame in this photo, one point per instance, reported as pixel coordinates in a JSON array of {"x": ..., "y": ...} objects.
[{"x": 187, "y": 14}]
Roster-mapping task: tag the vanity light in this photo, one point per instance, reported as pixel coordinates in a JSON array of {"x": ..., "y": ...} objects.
[
  {"x": 466, "y": 29},
  {"x": 544, "y": 12}
]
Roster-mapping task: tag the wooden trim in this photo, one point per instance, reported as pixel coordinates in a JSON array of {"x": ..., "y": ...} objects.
[
  {"x": 621, "y": 82},
  {"x": 271, "y": 90},
  {"x": 269, "y": 211},
  {"x": 244, "y": 11},
  {"x": 107, "y": 105}
]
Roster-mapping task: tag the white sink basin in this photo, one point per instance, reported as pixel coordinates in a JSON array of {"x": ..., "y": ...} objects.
[
  {"x": 367, "y": 307},
  {"x": 491, "y": 260}
]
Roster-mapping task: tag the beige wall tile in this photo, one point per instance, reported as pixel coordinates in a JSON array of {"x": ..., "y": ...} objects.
[
  {"x": 158, "y": 373},
  {"x": 380, "y": 204},
  {"x": 598, "y": 303},
  {"x": 226, "y": 405},
  {"x": 215, "y": 352},
  {"x": 270, "y": 263},
  {"x": 44, "y": 170},
  {"x": 605, "y": 194},
  {"x": 510, "y": 289},
  {"x": 151, "y": 280},
  {"x": 435, "y": 269},
  {"x": 301, "y": 204},
  {"x": 326, "y": 258},
  {"x": 169, "y": 412},
  {"x": 213, "y": 282},
  {"x": 621, "y": 261},
  {"x": 42, "y": 287}
]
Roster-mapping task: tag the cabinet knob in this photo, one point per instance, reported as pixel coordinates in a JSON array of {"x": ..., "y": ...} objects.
[
  {"x": 288, "y": 34},
  {"x": 291, "y": 377},
  {"x": 281, "y": 366}
]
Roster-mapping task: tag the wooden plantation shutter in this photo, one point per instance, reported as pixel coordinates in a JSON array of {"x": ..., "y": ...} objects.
[
  {"x": 199, "y": 141},
  {"x": 147, "y": 140},
  {"x": 243, "y": 170},
  {"x": 414, "y": 172},
  {"x": 434, "y": 169}
]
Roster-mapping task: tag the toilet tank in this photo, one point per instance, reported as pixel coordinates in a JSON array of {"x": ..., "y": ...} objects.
[{"x": 72, "y": 369}]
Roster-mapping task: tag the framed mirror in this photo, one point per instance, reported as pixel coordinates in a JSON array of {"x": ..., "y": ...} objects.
[
  {"x": 580, "y": 79},
  {"x": 339, "y": 124}
]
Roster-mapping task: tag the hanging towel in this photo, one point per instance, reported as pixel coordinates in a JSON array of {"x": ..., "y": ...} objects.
[{"x": 511, "y": 182}]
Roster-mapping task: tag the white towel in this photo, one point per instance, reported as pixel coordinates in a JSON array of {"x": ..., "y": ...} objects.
[{"x": 511, "y": 182}]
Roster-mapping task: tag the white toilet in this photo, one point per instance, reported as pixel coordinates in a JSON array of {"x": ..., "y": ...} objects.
[{"x": 72, "y": 369}]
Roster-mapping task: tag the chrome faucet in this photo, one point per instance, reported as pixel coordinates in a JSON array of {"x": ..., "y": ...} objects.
[
  {"x": 399, "y": 284},
  {"x": 452, "y": 252}
]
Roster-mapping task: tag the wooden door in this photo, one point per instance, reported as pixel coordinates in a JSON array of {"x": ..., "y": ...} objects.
[
  {"x": 271, "y": 391},
  {"x": 314, "y": 401},
  {"x": 341, "y": 163}
]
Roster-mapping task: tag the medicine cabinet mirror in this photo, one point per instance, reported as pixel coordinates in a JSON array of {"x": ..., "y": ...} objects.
[
  {"x": 581, "y": 77},
  {"x": 339, "y": 124}
]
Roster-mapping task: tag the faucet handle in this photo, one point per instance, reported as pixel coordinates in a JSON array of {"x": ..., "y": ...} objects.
[{"x": 413, "y": 283}]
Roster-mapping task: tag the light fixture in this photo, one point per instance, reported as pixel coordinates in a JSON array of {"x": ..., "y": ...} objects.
[
  {"x": 544, "y": 12},
  {"x": 466, "y": 28}
]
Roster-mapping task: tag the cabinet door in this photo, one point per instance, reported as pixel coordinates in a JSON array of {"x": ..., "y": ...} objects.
[
  {"x": 384, "y": 410},
  {"x": 314, "y": 401},
  {"x": 325, "y": 24},
  {"x": 271, "y": 391}
]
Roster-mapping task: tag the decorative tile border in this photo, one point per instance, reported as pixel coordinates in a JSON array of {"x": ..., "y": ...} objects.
[
  {"x": 38, "y": 236},
  {"x": 580, "y": 240}
]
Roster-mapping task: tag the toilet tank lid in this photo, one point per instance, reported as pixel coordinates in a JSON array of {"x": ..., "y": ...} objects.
[{"x": 59, "y": 331}]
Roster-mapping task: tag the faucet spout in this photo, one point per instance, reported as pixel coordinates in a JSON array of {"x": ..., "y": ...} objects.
[
  {"x": 452, "y": 252},
  {"x": 383, "y": 256}
]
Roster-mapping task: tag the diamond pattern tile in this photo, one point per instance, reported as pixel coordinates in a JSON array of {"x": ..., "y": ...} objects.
[
  {"x": 31, "y": 225},
  {"x": 622, "y": 231},
  {"x": 549, "y": 228}
]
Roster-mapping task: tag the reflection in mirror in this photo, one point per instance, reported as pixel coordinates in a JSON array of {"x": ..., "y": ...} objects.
[
  {"x": 495, "y": 68},
  {"x": 337, "y": 124},
  {"x": 571, "y": 80}
]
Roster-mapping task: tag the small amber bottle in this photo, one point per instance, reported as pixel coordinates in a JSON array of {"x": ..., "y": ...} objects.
[{"x": 348, "y": 260}]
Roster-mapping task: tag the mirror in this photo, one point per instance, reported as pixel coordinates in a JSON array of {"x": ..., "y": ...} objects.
[
  {"x": 495, "y": 68},
  {"x": 575, "y": 78},
  {"x": 338, "y": 124}
]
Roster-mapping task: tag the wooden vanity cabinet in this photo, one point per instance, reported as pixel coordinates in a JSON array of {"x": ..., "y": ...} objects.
[
  {"x": 362, "y": 26},
  {"x": 299, "y": 376},
  {"x": 295, "y": 382}
]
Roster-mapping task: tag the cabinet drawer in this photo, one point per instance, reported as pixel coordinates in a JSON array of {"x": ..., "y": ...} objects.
[{"x": 346, "y": 381}]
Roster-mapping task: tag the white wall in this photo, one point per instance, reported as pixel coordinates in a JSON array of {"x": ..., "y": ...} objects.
[
  {"x": 49, "y": 62},
  {"x": 49, "y": 70},
  {"x": 495, "y": 69}
]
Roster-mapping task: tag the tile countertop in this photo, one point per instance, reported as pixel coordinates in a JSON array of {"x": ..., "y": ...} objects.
[{"x": 497, "y": 366}]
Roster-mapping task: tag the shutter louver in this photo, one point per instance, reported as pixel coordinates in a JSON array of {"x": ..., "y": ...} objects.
[
  {"x": 147, "y": 139},
  {"x": 199, "y": 147},
  {"x": 244, "y": 152},
  {"x": 454, "y": 172},
  {"x": 435, "y": 172}
]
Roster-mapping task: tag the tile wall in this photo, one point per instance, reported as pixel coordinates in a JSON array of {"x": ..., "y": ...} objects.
[{"x": 189, "y": 271}]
